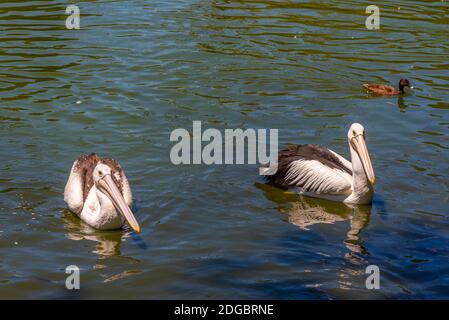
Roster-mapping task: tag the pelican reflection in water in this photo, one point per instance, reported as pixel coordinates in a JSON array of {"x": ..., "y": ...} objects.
[
  {"x": 107, "y": 243},
  {"x": 305, "y": 212}
]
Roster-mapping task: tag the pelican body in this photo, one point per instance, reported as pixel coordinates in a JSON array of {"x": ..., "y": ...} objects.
[
  {"x": 99, "y": 193},
  {"x": 318, "y": 172}
]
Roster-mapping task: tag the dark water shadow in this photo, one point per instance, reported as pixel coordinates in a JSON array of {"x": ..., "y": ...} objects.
[{"x": 136, "y": 238}]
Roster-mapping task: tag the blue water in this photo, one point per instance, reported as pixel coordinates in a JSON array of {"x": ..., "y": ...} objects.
[{"x": 136, "y": 70}]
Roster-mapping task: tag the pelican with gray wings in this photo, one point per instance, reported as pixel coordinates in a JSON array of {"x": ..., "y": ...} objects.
[
  {"x": 319, "y": 172},
  {"x": 99, "y": 193}
]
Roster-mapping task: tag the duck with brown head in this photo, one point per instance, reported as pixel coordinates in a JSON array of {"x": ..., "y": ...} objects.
[{"x": 385, "y": 90}]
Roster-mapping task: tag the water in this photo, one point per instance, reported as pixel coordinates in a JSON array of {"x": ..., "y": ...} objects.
[{"x": 136, "y": 70}]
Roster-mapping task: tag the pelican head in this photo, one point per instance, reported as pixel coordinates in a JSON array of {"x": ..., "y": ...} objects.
[
  {"x": 356, "y": 139},
  {"x": 106, "y": 183}
]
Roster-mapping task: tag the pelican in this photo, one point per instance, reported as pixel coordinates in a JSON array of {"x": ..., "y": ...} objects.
[
  {"x": 99, "y": 193},
  {"x": 318, "y": 172}
]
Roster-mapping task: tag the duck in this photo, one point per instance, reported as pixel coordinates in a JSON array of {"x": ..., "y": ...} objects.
[
  {"x": 98, "y": 192},
  {"x": 386, "y": 90}
]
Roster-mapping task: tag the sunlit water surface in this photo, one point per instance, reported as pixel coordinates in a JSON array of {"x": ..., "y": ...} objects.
[{"x": 136, "y": 70}]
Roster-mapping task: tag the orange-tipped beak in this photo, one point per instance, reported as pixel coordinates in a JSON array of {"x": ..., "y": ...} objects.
[{"x": 108, "y": 186}]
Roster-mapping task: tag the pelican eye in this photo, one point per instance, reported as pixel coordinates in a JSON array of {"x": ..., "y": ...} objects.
[
  {"x": 353, "y": 132},
  {"x": 100, "y": 173}
]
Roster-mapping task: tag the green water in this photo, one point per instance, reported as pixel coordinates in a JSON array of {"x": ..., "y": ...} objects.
[{"x": 136, "y": 70}]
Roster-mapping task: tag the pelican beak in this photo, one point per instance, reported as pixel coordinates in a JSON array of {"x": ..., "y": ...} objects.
[
  {"x": 359, "y": 145},
  {"x": 108, "y": 186}
]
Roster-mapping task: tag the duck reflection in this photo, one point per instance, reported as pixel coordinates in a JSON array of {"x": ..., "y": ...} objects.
[
  {"x": 107, "y": 242},
  {"x": 401, "y": 104},
  {"x": 305, "y": 212}
]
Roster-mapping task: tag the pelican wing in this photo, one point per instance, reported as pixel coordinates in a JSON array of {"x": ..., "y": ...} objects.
[
  {"x": 345, "y": 162},
  {"x": 313, "y": 169},
  {"x": 80, "y": 182}
]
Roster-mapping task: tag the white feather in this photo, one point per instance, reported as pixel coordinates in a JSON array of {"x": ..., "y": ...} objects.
[
  {"x": 73, "y": 192},
  {"x": 313, "y": 176}
]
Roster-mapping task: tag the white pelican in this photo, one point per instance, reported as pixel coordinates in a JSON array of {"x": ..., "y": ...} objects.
[
  {"x": 99, "y": 193},
  {"x": 318, "y": 172}
]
